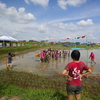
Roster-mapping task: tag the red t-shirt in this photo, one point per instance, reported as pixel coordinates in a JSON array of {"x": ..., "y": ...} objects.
[
  {"x": 42, "y": 55},
  {"x": 92, "y": 56},
  {"x": 74, "y": 70},
  {"x": 57, "y": 54}
]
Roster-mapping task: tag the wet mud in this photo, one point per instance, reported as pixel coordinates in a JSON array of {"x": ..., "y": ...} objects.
[{"x": 30, "y": 63}]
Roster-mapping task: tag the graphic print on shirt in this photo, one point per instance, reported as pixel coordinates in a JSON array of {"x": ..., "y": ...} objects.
[{"x": 76, "y": 73}]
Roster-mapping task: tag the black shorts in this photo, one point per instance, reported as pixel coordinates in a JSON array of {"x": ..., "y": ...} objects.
[{"x": 71, "y": 89}]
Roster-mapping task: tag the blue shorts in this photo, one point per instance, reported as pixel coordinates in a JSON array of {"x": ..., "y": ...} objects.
[
  {"x": 56, "y": 57},
  {"x": 72, "y": 89}
]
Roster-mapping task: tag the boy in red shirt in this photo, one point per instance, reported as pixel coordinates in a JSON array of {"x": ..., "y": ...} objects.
[{"x": 75, "y": 73}]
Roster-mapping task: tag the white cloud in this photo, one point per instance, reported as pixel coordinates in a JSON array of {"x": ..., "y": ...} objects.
[
  {"x": 48, "y": 38},
  {"x": 42, "y": 29},
  {"x": 91, "y": 37},
  {"x": 43, "y": 3},
  {"x": 64, "y": 3},
  {"x": 27, "y": 1},
  {"x": 90, "y": 34},
  {"x": 51, "y": 32},
  {"x": 85, "y": 23},
  {"x": 21, "y": 30},
  {"x": 15, "y": 16},
  {"x": 14, "y": 33},
  {"x": 65, "y": 26},
  {"x": 1, "y": 33},
  {"x": 34, "y": 38},
  {"x": 94, "y": 38}
]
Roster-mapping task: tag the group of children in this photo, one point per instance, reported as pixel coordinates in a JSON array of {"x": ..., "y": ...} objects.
[{"x": 46, "y": 54}]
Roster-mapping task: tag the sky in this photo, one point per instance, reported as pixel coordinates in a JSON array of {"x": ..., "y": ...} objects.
[{"x": 51, "y": 20}]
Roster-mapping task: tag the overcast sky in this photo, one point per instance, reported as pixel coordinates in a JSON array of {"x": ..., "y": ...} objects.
[{"x": 51, "y": 20}]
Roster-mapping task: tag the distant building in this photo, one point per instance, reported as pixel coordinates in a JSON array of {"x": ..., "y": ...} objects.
[
  {"x": 97, "y": 43},
  {"x": 32, "y": 41},
  {"x": 44, "y": 41}
]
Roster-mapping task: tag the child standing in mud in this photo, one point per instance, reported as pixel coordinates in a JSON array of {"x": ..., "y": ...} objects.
[
  {"x": 42, "y": 55},
  {"x": 92, "y": 57},
  {"x": 74, "y": 72},
  {"x": 56, "y": 55},
  {"x": 9, "y": 61}
]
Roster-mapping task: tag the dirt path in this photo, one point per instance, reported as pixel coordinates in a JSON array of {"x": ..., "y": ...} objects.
[{"x": 13, "y": 98}]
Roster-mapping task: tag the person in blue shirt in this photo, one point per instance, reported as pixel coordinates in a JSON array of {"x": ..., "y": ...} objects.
[{"x": 9, "y": 61}]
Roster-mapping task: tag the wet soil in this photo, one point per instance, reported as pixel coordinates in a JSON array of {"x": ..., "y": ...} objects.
[{"x": 28, "y": 62}]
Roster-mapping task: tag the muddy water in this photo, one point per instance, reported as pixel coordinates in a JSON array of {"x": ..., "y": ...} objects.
[{"x": 29, "y": 63}]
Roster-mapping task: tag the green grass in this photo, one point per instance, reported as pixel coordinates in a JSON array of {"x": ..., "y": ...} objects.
[
  {"x": 30, "y": 94},
  {"x": 28, "y": 86}
]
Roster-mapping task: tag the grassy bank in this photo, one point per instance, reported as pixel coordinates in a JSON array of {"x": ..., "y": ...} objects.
[
  {"x": 31, "y": 94},
  {"x": 27, "y": 86}
]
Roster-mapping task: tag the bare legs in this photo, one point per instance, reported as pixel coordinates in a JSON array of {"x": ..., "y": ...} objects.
[{"x": 77, "y": 96}]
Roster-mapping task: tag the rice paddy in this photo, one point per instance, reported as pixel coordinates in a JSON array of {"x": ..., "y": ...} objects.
[{"x": 35, "y": 87}]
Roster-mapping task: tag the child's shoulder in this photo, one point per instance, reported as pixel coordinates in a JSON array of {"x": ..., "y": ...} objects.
[
  {"x": 76, "y": 62},
  {"x": 70, "y": 63}
]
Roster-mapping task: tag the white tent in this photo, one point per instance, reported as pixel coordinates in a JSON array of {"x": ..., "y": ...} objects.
[
  {"x": 4, "y": 38},
  {"x": 7, "y": 38},
  {"x": 13, "y": 39}
]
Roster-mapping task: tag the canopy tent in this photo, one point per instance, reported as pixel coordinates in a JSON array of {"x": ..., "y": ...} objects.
[
  {"x": 7, "y": 38},
  {"x": 13, "y": 39},
  {"x": 4, "y": 38}
]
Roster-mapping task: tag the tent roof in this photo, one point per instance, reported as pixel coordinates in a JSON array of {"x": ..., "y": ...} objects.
[
  {"x": 7, "y": 38},
  {"x": 13, "y": 39}
]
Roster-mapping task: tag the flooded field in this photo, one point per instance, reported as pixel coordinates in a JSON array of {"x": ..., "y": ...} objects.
[{"x": 30, "y": 63}]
